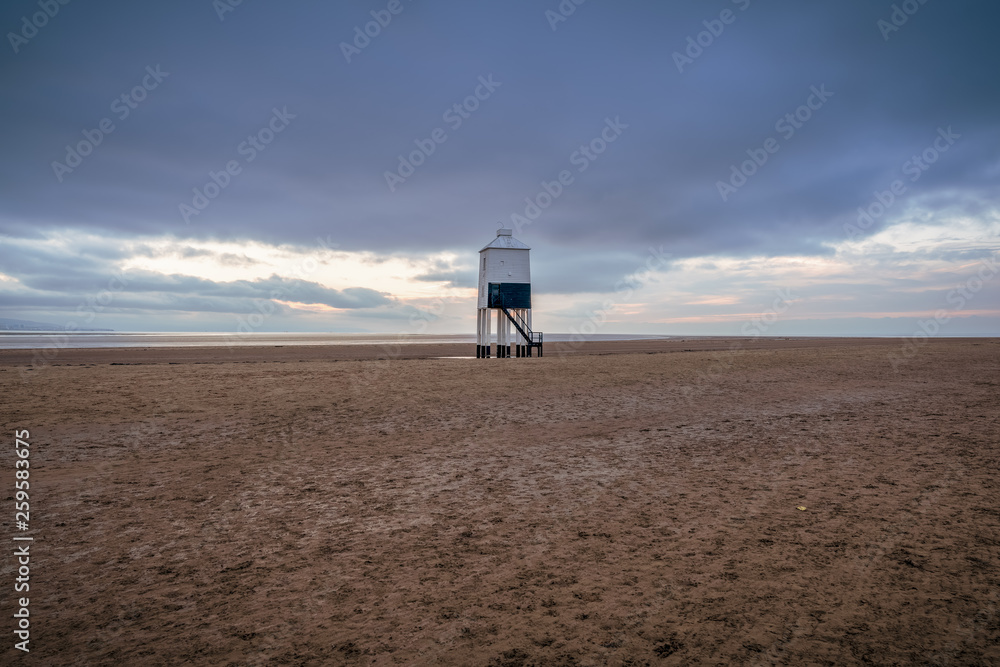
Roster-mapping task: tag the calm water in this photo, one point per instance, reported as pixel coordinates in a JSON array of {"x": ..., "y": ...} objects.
[{"x": 17, "y": 340}]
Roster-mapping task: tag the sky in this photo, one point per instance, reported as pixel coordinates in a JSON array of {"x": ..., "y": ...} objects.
[{"x": 699, "y": 167}]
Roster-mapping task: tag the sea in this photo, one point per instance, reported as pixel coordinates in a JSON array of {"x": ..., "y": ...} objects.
[{"x": 13, "y": 340}]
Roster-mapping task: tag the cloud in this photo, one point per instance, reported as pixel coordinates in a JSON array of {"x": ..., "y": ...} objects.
[
  {"x": 452, "y": 278},
  {"x": 323, "y": 175}
]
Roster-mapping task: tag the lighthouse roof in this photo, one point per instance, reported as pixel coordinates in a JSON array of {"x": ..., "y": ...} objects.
[{"x": 505, "y": 239}]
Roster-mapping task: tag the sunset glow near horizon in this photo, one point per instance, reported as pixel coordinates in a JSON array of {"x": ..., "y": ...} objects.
[{"x": 807, "y": 162}]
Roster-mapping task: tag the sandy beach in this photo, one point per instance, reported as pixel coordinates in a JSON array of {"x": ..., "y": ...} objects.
[{"x": 701, "y": 501}]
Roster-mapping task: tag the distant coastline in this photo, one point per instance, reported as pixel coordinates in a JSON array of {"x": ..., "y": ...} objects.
[
  {"x": 27, "y": 340},
  {"x": 8, "y": 324},
  {"x": 20, "y": 340}
]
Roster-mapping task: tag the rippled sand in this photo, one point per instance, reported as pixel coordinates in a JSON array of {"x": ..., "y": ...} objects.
[{"x": 616, "y": 504}]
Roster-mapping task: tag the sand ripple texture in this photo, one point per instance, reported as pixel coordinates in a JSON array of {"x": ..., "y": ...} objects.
[{"x": 619, "y": 509}]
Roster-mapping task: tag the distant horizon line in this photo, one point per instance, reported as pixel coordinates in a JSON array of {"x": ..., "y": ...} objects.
[{"x": 114, "y": 332}]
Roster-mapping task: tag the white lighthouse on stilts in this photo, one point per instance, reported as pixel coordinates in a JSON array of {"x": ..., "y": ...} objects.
[{"x": 505, "y": 287}]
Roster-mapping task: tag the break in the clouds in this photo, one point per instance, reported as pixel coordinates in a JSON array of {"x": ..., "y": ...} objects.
[{"x": 344, "y": 162}]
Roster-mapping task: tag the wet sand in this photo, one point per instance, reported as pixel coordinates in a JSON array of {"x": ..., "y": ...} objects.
[
  {"x": 621, "y": 503},
  {"x": 403, "y": 350}
]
